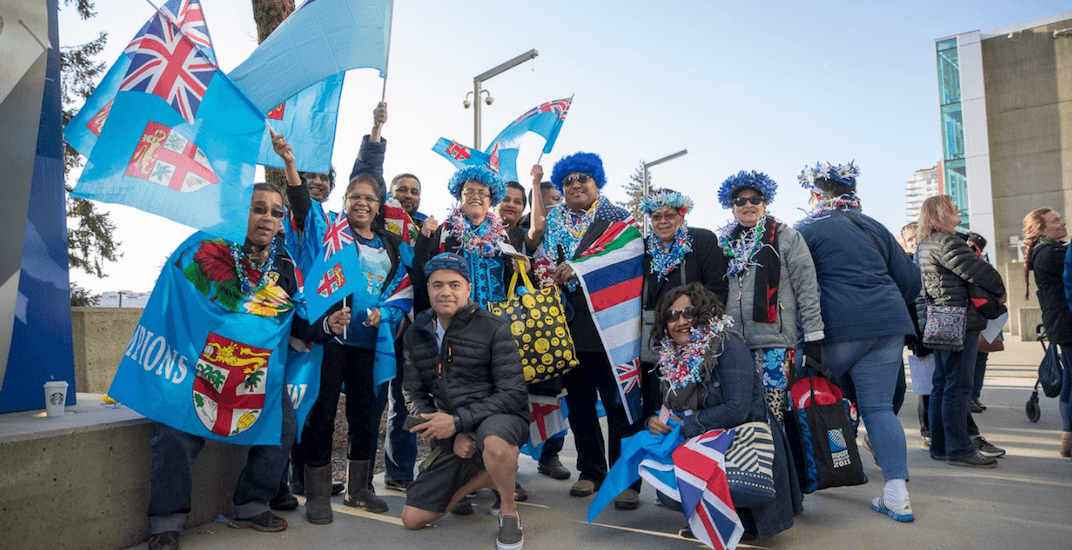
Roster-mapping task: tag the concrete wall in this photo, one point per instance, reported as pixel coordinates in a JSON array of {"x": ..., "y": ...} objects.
[
  {"x": 100, "y": 337},
  {"x": 1029, "y": 116},
  {"x": 82, "y": 480}
]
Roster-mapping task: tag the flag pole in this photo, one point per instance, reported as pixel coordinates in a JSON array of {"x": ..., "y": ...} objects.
[
  {"x": 344, "y": 326},
  {"x": 387, "y": 58}
]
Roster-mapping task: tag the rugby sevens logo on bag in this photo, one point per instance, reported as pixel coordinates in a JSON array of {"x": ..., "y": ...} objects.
[
  {"x": 229, "y": 387},
  {"x": 839, "y": 451}
]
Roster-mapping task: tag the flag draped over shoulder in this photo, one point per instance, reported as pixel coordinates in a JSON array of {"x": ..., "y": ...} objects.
[
  {"x": 308, "y": 120},
  {"x": 321, "y": 38},
  {"x": 181, "y": 140},
  {"x": 207, "y": 357},
  {"x": 611, "y": 273},
  {"x": 82, "y": 130}
]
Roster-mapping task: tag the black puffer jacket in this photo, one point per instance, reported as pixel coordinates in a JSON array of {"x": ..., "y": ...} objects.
[
  {"x": 475, "y": 374},
  {"x": 1047, "y": 261},
  {"x": 947, "y": 266}
]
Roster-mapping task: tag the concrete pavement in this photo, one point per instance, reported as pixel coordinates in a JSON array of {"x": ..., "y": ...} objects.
[{"x": 1023, "y": 503}]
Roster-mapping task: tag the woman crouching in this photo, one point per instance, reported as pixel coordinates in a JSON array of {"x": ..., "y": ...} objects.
[{"x": 709, "y": 381}]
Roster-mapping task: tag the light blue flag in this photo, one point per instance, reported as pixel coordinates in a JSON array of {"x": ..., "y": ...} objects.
[
  {"x": 321, "y": 38},
  {"x": 636, "y": 448},
  {"x": 200, "y": 360},
  {"x": 545, "y": 119},
  {"x": 335, "y": 277},
  {"x": 505, "y": 162},
  {"x": 198, "y": 173},
  {"x": 308, "y": 121},
  {"x": 303, "y": 379},
  {"x": 459, "y": 155}
]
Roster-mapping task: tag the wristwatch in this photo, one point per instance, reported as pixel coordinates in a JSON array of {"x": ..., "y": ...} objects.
[{"x": 457, "y": 424}]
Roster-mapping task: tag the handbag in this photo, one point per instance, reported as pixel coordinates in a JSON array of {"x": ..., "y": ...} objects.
[
  {"x": 538, "y": 324},
  {"x": 988, "y": 305},
  {"x": 1050, "y": 370},
  {"x": 750, "y": 465},
  {"x": 986, "y": 346},
  {"x": 827, "y": 455},
  {"x": 945, "y": 327}
]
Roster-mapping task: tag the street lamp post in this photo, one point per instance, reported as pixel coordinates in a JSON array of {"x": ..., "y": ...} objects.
[
  {"x": 480, "y": 78},
  {"x": 647, "y": 165}
]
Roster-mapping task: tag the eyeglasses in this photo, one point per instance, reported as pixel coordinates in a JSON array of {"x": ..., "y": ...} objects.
[
  {"x": 656, "y": 218},
  {"x": 674, "y": 314},
  {"x": 362, "y": 198},
  {"x": 478, "y": 193},
  {"x": 260, "y": 211},
  {"x": 576, "y": 178},
  {"x": 754, "y": 199}
]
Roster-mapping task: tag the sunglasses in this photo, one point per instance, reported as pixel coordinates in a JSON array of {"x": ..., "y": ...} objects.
[
  {"x": 577, "y": 178},
  {"x": 674, "y": 314},
  {"x": 260, "y": 211},
  {"x": 754, "y": 199}
]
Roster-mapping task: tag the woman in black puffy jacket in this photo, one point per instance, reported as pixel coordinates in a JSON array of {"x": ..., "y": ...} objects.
[
  {"x": 1045, "y": 254},
  {"x": 948, "y": 266}
]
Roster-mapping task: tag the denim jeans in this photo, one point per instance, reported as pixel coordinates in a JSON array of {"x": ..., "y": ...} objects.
[
  {"x": 873, "y": 364},
  {"x": 1064, "y": 402},
  {"x": 171, "y": 481},
  {"x": 954, "y": 372},
  {"x": 980, "y": 373}
]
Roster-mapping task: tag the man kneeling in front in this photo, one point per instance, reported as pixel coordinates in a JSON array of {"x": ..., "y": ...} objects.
[{"x": 463, "y": 381}]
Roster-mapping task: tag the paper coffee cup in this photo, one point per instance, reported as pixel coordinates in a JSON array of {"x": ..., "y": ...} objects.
[{"x": 55, "y": 397}]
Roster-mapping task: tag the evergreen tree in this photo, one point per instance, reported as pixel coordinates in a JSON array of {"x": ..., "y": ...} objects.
[
  {"x": 635, "y": 191},
  {"x": 89, "y": 231},
  {"x": 268, "y": 14}
]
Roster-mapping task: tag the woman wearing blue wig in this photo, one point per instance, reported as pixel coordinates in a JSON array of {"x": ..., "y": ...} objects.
[{"x": 472, "y": 231}]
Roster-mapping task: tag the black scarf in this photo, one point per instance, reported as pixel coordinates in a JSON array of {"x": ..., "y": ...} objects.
[{"x": 768, "y": 272}]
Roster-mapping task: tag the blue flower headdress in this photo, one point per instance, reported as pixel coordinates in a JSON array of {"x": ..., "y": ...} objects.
[
  {"x": 841, "y": 173},
  {"x": 673, "y": 199},
  {"x": 585, "y": 163},
  {"x": 484, "y": 175},
  {"x": 756, "y": 180}
]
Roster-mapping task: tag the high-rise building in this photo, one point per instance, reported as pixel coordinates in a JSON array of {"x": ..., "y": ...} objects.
[
  {"x": 924, "y": 183},
  {"x": 1005, "y": 106}
]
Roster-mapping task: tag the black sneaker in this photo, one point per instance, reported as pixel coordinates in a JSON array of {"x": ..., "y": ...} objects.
[
  {"x": 553, "y": 467},
  {"x": 164, "y": 541},
  {"x": 974, "y": 460},
  {"x": 399, "y": 486},
  {"x": 985, "y": 448},
  {"x": 464, "y": 507},
  {"x": 979, "y": 404},
  {"x": 264, "y": 521},
  {"x": 975, "y": 406},
  {"x": 510, "y": 536}
]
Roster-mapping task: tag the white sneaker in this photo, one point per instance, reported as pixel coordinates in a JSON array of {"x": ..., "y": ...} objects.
[{"x": 901, "y": 512}]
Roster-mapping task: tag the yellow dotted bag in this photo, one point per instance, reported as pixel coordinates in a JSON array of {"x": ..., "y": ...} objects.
[{"x": 538, "y": 323}]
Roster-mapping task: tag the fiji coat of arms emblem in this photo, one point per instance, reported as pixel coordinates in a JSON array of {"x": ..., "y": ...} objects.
[{"x": 230, "y": 385}]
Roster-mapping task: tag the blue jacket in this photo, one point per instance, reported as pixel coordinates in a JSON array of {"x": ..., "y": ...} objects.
[{"x": 865, "y": 278}]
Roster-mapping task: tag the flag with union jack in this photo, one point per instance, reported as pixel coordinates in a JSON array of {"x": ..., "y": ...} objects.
[
  {"x": 338, "y": 235},
  {"x": 545, "y": 119},
  {"x": 82, "y": 131},
  {"x": 196, "y": 171},
  {"x": 699, "y": 465},
  {"x": 459, "y": 155}
]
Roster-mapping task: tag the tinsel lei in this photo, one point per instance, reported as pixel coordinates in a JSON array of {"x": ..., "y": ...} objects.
[
  {"x": 740, "y": 251},
  {"x": 564, "y": 231},
  {"x": 666, "y": 257},
  {"x": 836, "y": 203},
  {"x": 679, "y": 366},
  {"x": 482, "y": 241}
]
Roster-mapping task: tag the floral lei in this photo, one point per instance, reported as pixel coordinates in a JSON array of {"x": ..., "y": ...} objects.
[
  {"x": 263, "y": 281},
  {"x": 664, "y": 258},
  {"x": 741, "y": 250},
  {"x": 482, "y": 241},
  {"x": 679, "y": 366}
]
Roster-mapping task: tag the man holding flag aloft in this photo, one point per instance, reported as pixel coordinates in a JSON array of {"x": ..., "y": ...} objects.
[{"x": 594, "y": 251}]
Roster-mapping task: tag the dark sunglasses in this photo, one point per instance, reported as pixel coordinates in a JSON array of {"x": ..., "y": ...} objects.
[
  {"x": 673, "y": 314},
  {"x": 754, "y": 199},
  {"x": 579, "y": 178},
  {"x": 260, "y": 211}
]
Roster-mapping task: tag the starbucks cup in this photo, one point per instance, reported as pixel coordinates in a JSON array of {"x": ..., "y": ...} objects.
[{"x": 55, "y": 397}]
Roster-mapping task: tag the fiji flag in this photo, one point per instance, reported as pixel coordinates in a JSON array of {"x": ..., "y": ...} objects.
[
  {"x": 504, "y": 161},
  {"x": 333, "y": 278},
  {"x": 308, "y": 121},
  {"x": 206, "y": 358},
  {"x": 82, "y": 131},
  {"x": 545, "y": 119},
  {"x": 183, "y": 141},
  {"x": 459, "y": 155}
]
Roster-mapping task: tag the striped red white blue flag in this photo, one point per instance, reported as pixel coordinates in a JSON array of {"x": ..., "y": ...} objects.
[{"x": 699, "y": 465}]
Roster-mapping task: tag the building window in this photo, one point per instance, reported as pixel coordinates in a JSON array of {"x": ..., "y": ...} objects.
[{"x": 952, "y": 123}]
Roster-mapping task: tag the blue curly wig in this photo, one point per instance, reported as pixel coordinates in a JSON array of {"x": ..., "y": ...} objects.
[
  {"x": 585, "y": 163},
  {"x": 754, "y": 180},
  {"x": 482, "y": 174}
]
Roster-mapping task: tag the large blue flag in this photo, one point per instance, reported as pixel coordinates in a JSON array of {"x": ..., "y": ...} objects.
[
  {"x": 459, "y": 155},
  {"x": 82, "y": 130},
  {"x": 321, "y": 38},
  {"x": 308, "y": 120},
  {"x": 207, "y": 358},
  {"x": 183, "y": 141},
  {"x": 545, "y": 119}
]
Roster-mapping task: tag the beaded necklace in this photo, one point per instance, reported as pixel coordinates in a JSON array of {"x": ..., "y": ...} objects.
[
  {"x": 482, "y": 241},
  {"x": 741, "y": 250},
  {"x": 269, "y": 266},
  {"x": 679, "y": 366},
  {"x": 664, "y": 258}
]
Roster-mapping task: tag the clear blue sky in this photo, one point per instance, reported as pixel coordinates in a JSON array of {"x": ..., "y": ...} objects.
[{"x": 768, "y": 86}]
